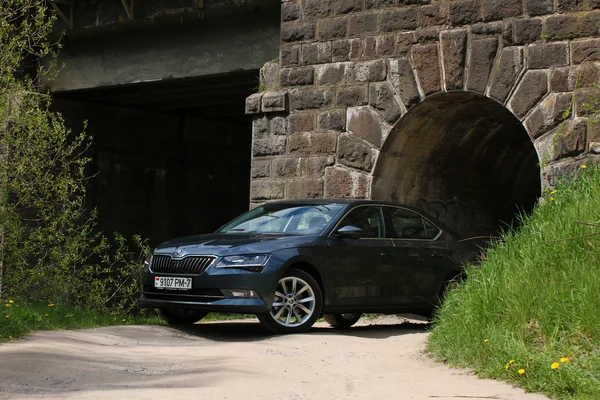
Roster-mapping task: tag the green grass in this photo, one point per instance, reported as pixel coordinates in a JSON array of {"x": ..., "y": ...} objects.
[
  {"x": 535, "y": 300},
  {"x": 17, "y": 320}
]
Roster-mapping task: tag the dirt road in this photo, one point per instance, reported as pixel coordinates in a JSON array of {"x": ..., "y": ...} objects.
[{"x": 236, "y": 360}]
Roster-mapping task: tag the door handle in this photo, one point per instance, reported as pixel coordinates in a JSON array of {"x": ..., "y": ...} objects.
[
  {"x": 386, "y": 254},
  {"x": 436, "y": 254}
]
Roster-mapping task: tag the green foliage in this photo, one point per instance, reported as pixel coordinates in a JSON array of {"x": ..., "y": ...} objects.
[
  {"x": 51, "y": 250},
  {"x": 535, "y": 299}
]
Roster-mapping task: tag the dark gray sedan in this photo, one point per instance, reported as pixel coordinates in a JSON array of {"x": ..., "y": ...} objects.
[{"x": 292, "y": 262}]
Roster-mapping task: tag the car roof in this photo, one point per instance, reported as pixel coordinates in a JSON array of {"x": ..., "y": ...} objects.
[{"x": 353, "y": 202}]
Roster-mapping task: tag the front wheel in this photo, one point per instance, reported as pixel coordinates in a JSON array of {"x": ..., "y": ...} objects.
[
  {"x": 180, "y": 316},
  {"x": 342, "y": 320},
  {"x": 297, "y": 303}
]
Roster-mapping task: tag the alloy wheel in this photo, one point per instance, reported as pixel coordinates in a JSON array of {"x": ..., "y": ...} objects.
[{"x": 294, "y": 302}]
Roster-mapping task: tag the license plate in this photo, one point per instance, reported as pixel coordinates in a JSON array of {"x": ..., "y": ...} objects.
[{"x": 166, "y": 282}]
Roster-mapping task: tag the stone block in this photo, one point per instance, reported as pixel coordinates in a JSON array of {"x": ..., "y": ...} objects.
[
  {"x": 290, "y": 11},
  {"x": 297, "y": 32},
  {"x": 401, "y": 19},
  {"x": 404, "y": 42},
  {"x": 297, "y": 76},
  {"x": 341, "y": 50},
  {"x": 352, "y": 96},
  {"x": 333, "y": 28},
  {"x": 372, "y": 4},
  {"x": 370, "y": 71},
  {"x": 317, "y": 9},
  {"x": 331, "y": 74},
  {"x": 260, "y": 128},
  {"x": 509, "y": 69},
  {"x": 316, "y": 53},
  {"x": 279, "y": 125},
  {"x": 539, "y": 7},
  {"x": 348, "y": 6},
  {"x": 571, "y": 5},
  {"x": 369, "y": 47},
  {"x": 253, "y": 103},
  {"x": 531, "y": 90},
  {"x": 499, "y": 9},
  {"x": 274, "y": 101},
  {"x": 316, "y": 165},
  {"x": 572, "y": 141},
  {"x": 301, "y": 123},
  {"x": 269, "y": 76},
  {"x": 462, "y": 12},
  {"x": 261, "y": 168},
  {"x": 587, "y": 102},
  {"x": 313, "y": 143},
  {"x": 427, "y": 66},
  {"x": 364, "y": 23},
  {"x": 356, "y": 49},
  {"x": 403, "y": 80},
  {"x": 269, "y": 146},
  {"x": 546, "y": 55},
  {"x": 366, "y": 123},
  {"x": 571, "y": 26},
  {"x": 526, "y": 31},
  {"x": 308, "y": 99},
  {"x": 305, "y": 189},
  {"x": 562, "y": 79},
  {"x": 289, "y": 55},
  {"x": 549, "y": 114},
  {"x": 385, "y": 46},
  {"x": 454, "y": 48},
  {"x": 355, "y": 153},
  {"x": 267, "y": 190},
  {"x": 332, "y": 121},
  {"x": 487, "y": 28},
  {"x": 483, "y": 54},
  {"x": 585, "y": 50},
  {"x": 381, "y": 97},
  {"x": 432, "y": 14},
  {"x": 338, "y": 183},
  {"x": 290, "y": 167}
]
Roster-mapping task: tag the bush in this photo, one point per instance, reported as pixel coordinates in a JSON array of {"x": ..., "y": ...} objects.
[{"x": 535, "y": 300}]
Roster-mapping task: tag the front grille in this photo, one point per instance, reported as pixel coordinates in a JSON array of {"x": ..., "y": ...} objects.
[
  {"x": 192, "y": 265},
  {"x": 193, "y": 295}
]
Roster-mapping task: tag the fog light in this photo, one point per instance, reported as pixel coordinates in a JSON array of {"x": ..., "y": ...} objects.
[{"x": 240, "y": 293}]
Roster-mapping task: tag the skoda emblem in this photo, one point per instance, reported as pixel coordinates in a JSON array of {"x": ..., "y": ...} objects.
[{"x": 178, "y": 252}]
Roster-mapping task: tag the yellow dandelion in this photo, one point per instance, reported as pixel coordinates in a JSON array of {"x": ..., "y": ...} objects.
[
  {"x": 11, "y": 301},
  {"x": 552, "y": 199},
  {"x": 530, "y": 358},
  {"x": 511, "y": 362},
  {"x": 555, "y": 365},
  {"x": 10, "y": 338},
  {"x": 51, "y": 305},
  {"x": 521, "y": 371},
  {"x": 7, "y": 316},
  {"x": 45, "y": 315},
  {"x": 583, "y": 166},
  {"x": 564, "y": 360},
  {"x": 123, "y": 320},
  {"x": 507, "y": 366},
  {"x": 485, "y": 340},
  {"x": 554, "y": 192},
  {"x": 7, "y": 305}
]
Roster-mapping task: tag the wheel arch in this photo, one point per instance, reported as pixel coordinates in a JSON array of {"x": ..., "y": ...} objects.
[{"x": 312, "y": 271}]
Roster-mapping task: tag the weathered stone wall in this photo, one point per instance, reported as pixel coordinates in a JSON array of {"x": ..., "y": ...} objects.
[{"x": 349, "y": 70}]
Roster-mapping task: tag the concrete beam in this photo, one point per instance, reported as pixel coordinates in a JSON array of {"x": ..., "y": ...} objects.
[{"x": 239, "y": 42}]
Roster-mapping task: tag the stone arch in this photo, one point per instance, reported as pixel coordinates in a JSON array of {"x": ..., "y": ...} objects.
[{"x": 463, "y": 158}]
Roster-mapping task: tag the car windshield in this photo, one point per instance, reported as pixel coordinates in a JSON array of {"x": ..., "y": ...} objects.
[{"x": 292, "y": 219}]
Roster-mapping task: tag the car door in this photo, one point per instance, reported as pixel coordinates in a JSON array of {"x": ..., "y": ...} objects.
[
  {"x": 356, "y": 262},
  {"x": 420, "y": 258}
]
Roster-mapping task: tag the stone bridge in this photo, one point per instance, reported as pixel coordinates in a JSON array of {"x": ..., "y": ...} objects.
[{"x": 465, "y": 108}]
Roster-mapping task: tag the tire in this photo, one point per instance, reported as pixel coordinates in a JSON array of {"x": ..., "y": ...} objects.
[
  {"x": 342, "y": 320},
  {"x": 180, "y": 316},
  {"x": 297, "y": 303}
]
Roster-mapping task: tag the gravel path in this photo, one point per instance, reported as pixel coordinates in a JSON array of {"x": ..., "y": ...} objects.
[{"x": 379, "y": 359}]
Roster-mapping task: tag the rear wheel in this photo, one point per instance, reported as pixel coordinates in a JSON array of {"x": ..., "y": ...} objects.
[
  {"x": 297, "y": 303},
  {"x": 180, "y": 316},
  {"x": 342, "y": 320}
]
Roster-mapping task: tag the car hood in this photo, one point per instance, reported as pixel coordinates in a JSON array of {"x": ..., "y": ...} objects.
[{"x": 218, "y": 244}]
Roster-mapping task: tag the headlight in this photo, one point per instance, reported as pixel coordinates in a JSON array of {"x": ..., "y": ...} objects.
[
  {"x": 146, "y": 264},
  {"x": 254, "y": 262}
]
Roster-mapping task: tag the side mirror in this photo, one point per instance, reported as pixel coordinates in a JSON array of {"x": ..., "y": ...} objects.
[{"x": 349, "y": 231}]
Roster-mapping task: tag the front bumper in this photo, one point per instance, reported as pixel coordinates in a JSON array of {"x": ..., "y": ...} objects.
[{"x": 207, "y": 291}]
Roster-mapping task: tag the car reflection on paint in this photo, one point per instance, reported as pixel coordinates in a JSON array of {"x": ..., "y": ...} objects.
[{"x": 292, "y": 262}]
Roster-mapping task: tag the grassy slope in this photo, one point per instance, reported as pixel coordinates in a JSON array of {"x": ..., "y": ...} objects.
[{"x": 534, "y": 300}]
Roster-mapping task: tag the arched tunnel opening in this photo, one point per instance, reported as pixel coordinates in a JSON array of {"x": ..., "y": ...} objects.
[{"x": 464, "y": 159}]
